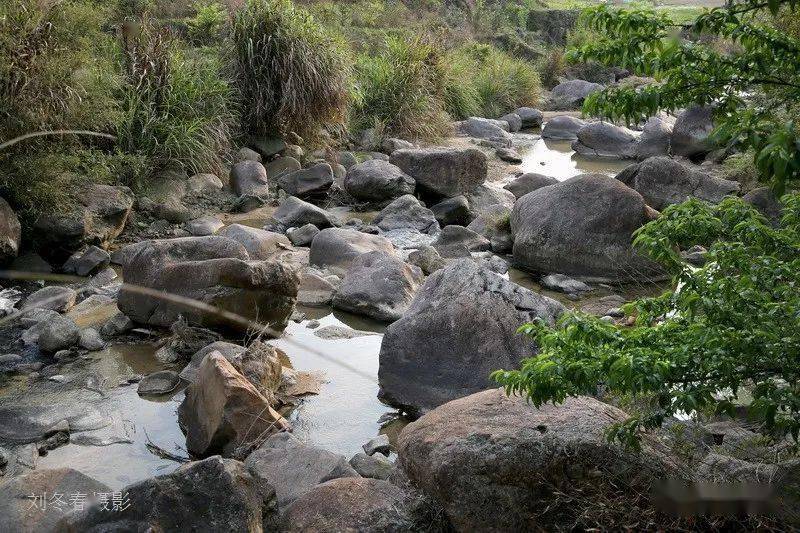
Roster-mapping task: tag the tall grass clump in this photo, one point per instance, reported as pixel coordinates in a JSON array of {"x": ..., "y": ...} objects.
[
  {"x": 177, "y": 108},
  {"x": 401, "y": 90},
  {"x": 293, "y": 75}
]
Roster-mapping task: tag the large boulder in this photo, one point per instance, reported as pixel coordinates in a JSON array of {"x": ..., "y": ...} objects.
[
  {"x": 513, "y": 120},
  {"x": 582, "y": 227},
  {"x": 406, "y": 213},
  {"x": 453, "y": 241},
  {"x": 98, "y": 217},
  {"x": 603, "y": 139},
  {"x": 282, "y": 165},
  {"x": 485, "y": 197},
  {"x": 215, "y": 271},
  {"x": 306, "y": 182},
  {"x": 249, "y": 177},
  {"x": 562, "y": 127},
  {"x": 378, "y": 285},
  {"x": 570, "y": 94},
  {"x": 497, "y": 463},
  {"x": 10, "y": 233},
  {"x": 494, "y": 224},
  {"x": 222, "y": 412},
  {"x": 353, "y": 504},
  {"x": 375, "y": 181},
  {"x": 531, "y": 118},
  {"x": 691, "y": 131},
  {"x": 215, "y": 494},
  {"x": 53, "y": 297},
  {"x": 446, "y": 172},
  {"x": 293, "y": 467},
  {"x": 259, "y": 243},
  {"x": 495, "y": 131},
  {"x": 28, "y": 503},
  {"x": 58, "y": 333},
  {"x": 294, "y": 212},
  {"x": 460, "y": 327},
  {"x": 655, "y": 138},
  {"x": 452, "y": 211},
  {"x": 663, "y": 181},
  {"x": 336, "y": 248},
  {"x": 530, "y": 181}
]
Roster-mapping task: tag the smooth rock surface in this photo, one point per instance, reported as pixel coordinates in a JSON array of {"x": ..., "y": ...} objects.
[
  {"x": 446, "y": 172},
  {"x": 375, "y": 181},
  {"x": 336, "y": 248},
  {"x": 406, "y": 213}
]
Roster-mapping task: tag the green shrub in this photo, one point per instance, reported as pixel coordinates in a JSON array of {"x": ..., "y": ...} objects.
[
  {"x": 206, "y": 26},
  {"x": 552, "y": 67},
  {"x": 401, "y": 90},
  {"x": 292, "y": 74}
]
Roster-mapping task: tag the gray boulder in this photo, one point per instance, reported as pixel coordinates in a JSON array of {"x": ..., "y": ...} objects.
[
  {"x": 494, "y": 225},
  {"x": 603, "y": 139},
  {"x": 453, "y": 239},
  {"x": 58, "y": 333},
  {"x": 215, "y": 494},
  {"x": 249, "y": 177},
  {"x": 484, "y": 128},
  {"x": 10, "y": 233},
  {"x": 513, "y": 120},
  {"x": 162, "y": 382},
  {"x": 565, "y": 284},
  {"x": 485, "y": 197},
  {"x": 655, "y": 138},
  {"x": 663, "y": 181},
  {"x": 427, "y": 258},
  {"x": 53, "y": 297},
  {"x": 531, "y": 118},
  {"x": 295, "y": 468},
  {"x": 294, "y": 212},
  {"x": 247, "y": 154},
  {"x": 441, "y": 171},
  {"x": 87, "y": 262},
  {"x": 303, "y": 235},
  {"x": 376, "y": 181},
  {"x": 204, "y": 226},
  {"x": 268, "y": 147},
  {"x": 347, "y": 159},
  {"x": 91, "y": 340},
  {"x": 570, "y": 94},
  {"x": 530, "y": 181},
  {"x": 582, "y": 227},
  {"x": 203, "y": 183},
  {"x": 282, "y": 165},
  {"x": 406, "y": 213},
  {"x": 452, "y": 211},
  {"x": 460, "y": 327},
  {"x": 509, "y": 155},
  {"x": 691, "y": 131},
  {"x": 316, "y": 288},
  {"x": 215, "y": 271},
  {"x": 307, "y": 182},
  {"x": 259, "y": 243},
  {"x": 493, "y": 462},
  {"x": 562, "y": 127},
  {"x": 378, "y": 285},
  {"x": 372, "y": 466},
  {"x": 337, "y": 248}
]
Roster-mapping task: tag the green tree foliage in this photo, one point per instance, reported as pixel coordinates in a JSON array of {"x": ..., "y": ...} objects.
[
  {"x": 292, "y": 74},
  {"x": 752, "y": 84},
  {"x": 731, "y": 325}
]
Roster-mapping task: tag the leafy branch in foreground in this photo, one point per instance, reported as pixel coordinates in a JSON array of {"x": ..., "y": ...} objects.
[
  {"x": 732, "y": 325},
  {"x": 754, "y": 86}
]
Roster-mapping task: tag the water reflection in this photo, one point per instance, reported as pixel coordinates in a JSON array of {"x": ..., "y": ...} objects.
[{"x": 557, "y": 159}]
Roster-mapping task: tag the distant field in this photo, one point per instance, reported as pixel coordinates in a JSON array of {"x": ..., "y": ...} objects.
[{"x": 679, "y": 10}]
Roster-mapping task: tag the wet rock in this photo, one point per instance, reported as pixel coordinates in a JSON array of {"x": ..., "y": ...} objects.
[
  {"x": 372, "y": 466},
  {"x": 570, "y": 94},
  {"x": 378, "y": 285},
  {"x": 307, "y": 182},
  {"x": 316, "y": 289},
  {"x": 493, "y": 224},
  {"x": 282, "y": 165},
  {"x": 514, "y": 121},
  {"x": 452, "y": 211},
  {"x": 379, "y": 444},
  {"x": 249, "y": 177},
  {"x": 562, "y": 127},
  {"x": 460, "y": 327},
  {"x": 531, "y": 118},
  {"x": 690, "y": 132},
  {"x": 259, "y": 243},
  {"x": 376, "y": 181},
  {"x": 162, "y": 382},
  {"x": 352, "y": 504},
  {"x": 10, "y": 233},
  {"x": 295, "y": 468},
  {"x": 203, "y": 183},
  {"x": 655, "y": 138},
  {"x": 453, "y": 239},
  {"x": 222, "y": 411},
  {"x": 203, "y": 226},
  {"x": 52, "y": 297},
  {"x": 57, "y": 334},
  {"x": 98, "y": 217},
  {"x": 116, "y": 325},
  {"x": 582, "y": 227},
  {"x": 427, "y": 258},
  {"x": 407, "y": 213},
  {"x": 335, "y": 333},
  {"x": 87, "y": 262},
  {"x": 215, "y": 494},
  {"x": 530, "y": 181},
  {"x": 493, "y": 462},
  {"x": 484, "y": 128},
  {"x": 90, "y": 339},
  {"x": 562, "y": 283},
  {"x": 484, "y": 197},
  {"x": 767, "y": 204},
  {"x": 509, "y": 155},
  {"x": 303, "y": 235},
  {"x": 214, "y": 270},
  {"x": 446, "y": 172},
  {"x": 603, "y": 139},
  {"x": 20, "y": 512},
  {"x": 294, "y": 213},
  {"x": 336, "y": 248},
  {"x": 663, "y": 181}
]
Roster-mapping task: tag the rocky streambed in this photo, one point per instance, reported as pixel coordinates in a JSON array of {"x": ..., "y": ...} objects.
[{"x": 314, "y": 310}]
